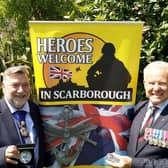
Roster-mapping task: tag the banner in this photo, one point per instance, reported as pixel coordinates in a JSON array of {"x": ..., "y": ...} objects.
[{"x": 86, "y": 79}]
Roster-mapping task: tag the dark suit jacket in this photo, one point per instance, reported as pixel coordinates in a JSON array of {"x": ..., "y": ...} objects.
[
  {"x": 147, "y": 156},
  {"x": 9, "y": 134}
]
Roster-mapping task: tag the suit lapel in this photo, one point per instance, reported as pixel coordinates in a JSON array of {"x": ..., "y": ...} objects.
[
  {"x": 35, "y": 122},
  {"x": 10, "y": 124},
  {"x": 162, "y": 120},
  {"x": 139, "y": 121}
]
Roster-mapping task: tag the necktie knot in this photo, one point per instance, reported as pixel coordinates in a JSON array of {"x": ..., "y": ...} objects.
[
  {"x": 20, "y": 115},
  {"x": 153, "y": 109}
]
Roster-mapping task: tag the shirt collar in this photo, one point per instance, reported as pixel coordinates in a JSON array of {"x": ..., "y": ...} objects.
[
  {"x": 161, "y": 106},
  {"x": 13, "y": 109}
]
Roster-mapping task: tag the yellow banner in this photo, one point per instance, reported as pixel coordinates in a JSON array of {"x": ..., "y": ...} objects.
[
  {"x": 86, "y": 62},
  {"x": 86, "y": 77}
]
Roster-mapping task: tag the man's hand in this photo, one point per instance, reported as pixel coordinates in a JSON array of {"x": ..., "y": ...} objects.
[
  {"x": 11, "y": 154},
  {"x": 118, "y": 161}
]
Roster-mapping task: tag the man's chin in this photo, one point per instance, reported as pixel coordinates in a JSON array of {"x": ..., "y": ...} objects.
[
  {"x": 19, "y": 105},
  {"x": 156, "y": 101}
]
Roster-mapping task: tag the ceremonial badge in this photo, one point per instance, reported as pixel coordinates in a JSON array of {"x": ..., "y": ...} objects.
[
  {"x": 26, "y": 154},
  {"x": 23, "y": 129}
]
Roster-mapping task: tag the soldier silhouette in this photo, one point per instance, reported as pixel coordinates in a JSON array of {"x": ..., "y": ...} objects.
[{"x": 108, "y": 73}]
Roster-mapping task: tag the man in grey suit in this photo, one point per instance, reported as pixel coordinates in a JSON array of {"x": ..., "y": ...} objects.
[
  {"x": 16, "y": 90},
  {"x": 151, "y": 149}
]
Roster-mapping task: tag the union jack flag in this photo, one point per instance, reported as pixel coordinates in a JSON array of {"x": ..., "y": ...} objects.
[
  {"x": 59, "y": 73},
  {"x": 112, "y": 120}
]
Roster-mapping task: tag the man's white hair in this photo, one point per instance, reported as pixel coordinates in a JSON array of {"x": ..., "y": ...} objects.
[{"x": 156, "y": 65}]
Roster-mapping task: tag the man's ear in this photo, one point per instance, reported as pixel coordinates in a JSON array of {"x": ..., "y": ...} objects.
[
  {"x": 2, "y": 85},
  {"x": 143, "y": 82}
]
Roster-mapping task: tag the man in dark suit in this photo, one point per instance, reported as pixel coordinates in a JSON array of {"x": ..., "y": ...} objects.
[
  {"x": 16, "y": 90},
  {"x": 149, "y": 149}
]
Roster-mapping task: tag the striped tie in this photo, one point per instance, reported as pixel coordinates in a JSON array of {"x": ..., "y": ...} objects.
[{"x": 148, "y": 123}]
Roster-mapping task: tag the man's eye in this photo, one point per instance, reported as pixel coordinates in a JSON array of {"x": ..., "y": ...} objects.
[
  {"x": 25, "y": 85},
  {"x": 151, "y": 83},
  {"x": 163, "y": 84},
  {"x": 20, "y": 85},
  {"x": 15, "y": 85}
]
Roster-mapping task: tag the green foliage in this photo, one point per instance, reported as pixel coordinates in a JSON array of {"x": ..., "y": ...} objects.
[
  {"x": 15, "y": 14},
  {"x": 154, "y": 14}
]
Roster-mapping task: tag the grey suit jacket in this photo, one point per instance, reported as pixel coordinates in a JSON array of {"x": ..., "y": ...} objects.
[
  {"x": 9, "y": 134},
  {"x": 147, "y": 155}
]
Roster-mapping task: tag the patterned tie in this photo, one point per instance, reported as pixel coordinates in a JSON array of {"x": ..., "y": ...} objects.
[
  {"x": 21, "y": 123},
  {"x": 148, "y": 123}
]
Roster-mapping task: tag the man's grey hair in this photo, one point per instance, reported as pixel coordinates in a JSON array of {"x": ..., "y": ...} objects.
[{"x": 23, "y": 69}]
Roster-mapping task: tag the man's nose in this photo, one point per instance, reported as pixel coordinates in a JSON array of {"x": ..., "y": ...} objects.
[
  {"x": 156, "y": 86},
  {"x": 20, "y": 88}
]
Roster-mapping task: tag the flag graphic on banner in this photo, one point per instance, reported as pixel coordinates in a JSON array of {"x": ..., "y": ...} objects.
[
  {"x": 59, "y": 73},
  {"x": 86, "y": 125}
]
